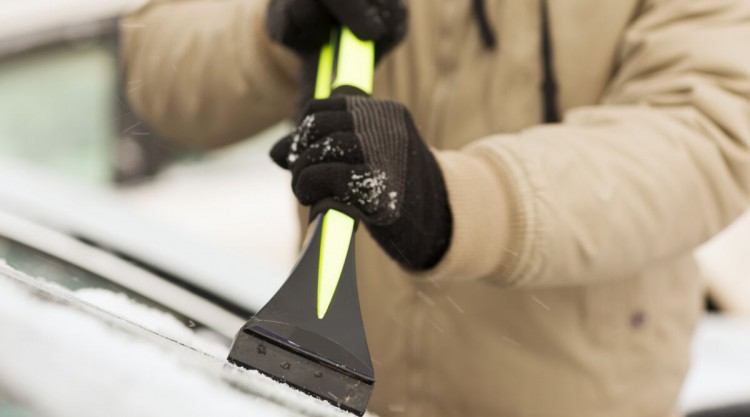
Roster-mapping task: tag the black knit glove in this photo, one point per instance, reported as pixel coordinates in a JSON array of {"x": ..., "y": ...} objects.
[
  {"x": 365, "y": 157},
  {"x": 305, "y": 25}
]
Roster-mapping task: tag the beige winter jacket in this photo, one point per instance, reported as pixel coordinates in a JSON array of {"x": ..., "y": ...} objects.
[{"x": 569, "y": 288}]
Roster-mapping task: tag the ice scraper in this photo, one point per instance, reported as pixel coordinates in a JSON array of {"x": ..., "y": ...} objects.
[{"x": 310, "y": 334}]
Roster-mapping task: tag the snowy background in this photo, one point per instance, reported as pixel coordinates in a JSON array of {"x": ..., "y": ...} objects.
[{"x": 236, "y": 198}]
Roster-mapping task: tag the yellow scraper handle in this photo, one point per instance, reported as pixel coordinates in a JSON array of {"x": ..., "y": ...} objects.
[{"x": 354, "y": 62}]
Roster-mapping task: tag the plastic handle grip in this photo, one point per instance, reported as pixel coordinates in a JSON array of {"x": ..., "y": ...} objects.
[{"x": 354, "y": 62}]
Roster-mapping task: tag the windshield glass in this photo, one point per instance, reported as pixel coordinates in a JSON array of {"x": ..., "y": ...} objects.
[{"x": 38, "y": 264}]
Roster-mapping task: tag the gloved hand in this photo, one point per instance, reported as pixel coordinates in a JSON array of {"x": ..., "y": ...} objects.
[
  {"x": 305, "y": 25},
  {"x": 365, "y": 157}
]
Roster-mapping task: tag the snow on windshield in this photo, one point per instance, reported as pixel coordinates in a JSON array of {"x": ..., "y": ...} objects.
[
  {"x": 59, "y": 360},
  {"x": 155, "y": 320}
]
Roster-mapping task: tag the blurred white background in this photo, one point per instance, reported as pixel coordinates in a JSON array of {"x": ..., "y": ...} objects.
[{"x": 62, "y": 107}]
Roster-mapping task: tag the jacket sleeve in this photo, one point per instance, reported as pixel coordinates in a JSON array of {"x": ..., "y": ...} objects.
[
  {"x": 657, "y": 168},
  {"x": 203, "y": 72}
]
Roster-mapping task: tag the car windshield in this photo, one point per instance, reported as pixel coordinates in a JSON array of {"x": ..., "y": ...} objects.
[{"x": 38, "y": 264}]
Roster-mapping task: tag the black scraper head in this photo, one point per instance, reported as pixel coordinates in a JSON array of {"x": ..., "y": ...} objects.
[{"x": 327, "y": 358}]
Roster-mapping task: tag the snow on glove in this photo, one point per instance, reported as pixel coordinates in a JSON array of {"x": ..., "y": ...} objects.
[
  {"x": 365, "y": 157},
  {"x": 305, "y": 25}
]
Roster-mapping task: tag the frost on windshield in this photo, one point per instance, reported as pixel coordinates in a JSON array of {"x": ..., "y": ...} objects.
[{"x": 61, "y": 359}]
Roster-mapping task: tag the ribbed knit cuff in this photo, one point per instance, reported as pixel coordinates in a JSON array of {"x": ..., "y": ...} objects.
[{"x": 483, "y": 209}]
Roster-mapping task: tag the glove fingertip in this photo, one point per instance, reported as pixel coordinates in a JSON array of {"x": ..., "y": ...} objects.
[
  {"x": 280, "y": 152},
  {"x": 287, "y": 23},
  {"x": 362, "y": 17},
  {"x": 372, "y": 30}
]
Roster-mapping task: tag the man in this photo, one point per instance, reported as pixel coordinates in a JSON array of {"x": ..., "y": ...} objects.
[{"x": 519, "y": 265}]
